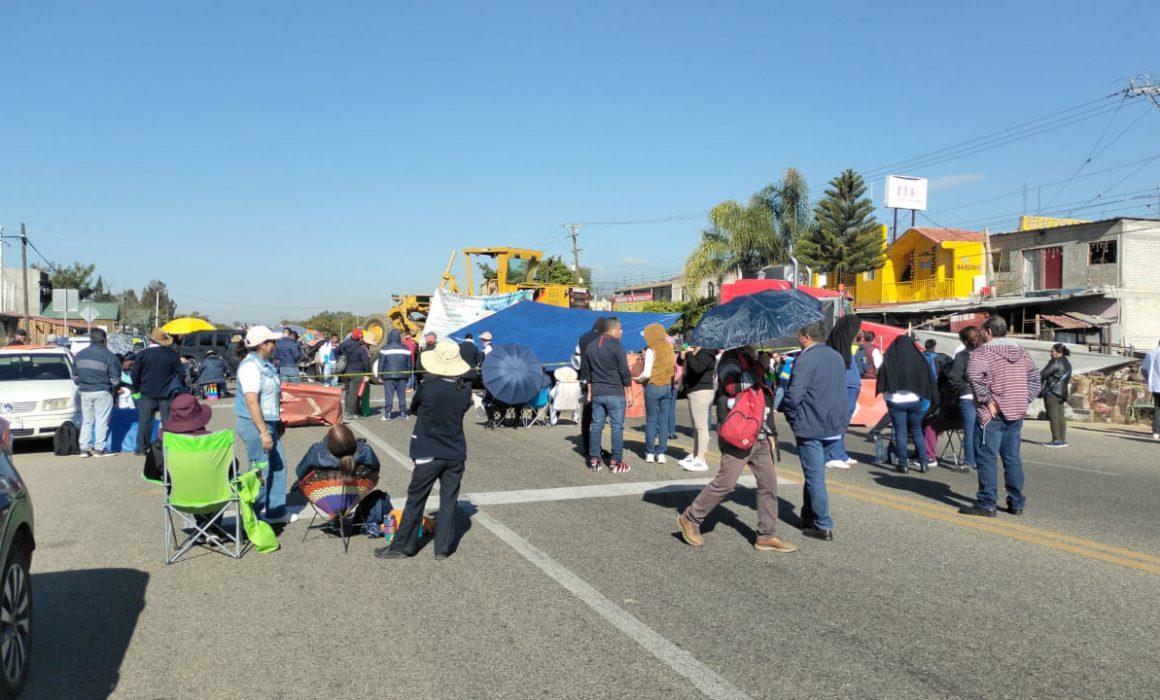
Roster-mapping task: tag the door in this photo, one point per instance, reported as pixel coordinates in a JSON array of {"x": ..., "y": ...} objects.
[{"x": 1052, "y": 268}]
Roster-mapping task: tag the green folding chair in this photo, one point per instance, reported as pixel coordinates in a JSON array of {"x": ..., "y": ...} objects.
[{"x": 199, "y": 478}]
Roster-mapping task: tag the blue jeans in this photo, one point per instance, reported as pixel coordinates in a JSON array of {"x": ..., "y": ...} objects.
[
  {"x": 970, "y": 426},
  {"x": 96, "y": 407},
  {"x": 673, "y": 410},
  {"x": 838, "y": 449},
  {"x": 1000, "y": 440},
  {"x": 290, "y": 375},
  {"x": 391, "y": 389},
  {"x": 328, "y": 378},
  {"x": 906, "y": 419},
  {"x": 611, "y": 407},
  {"x": 816, "y": 502},
  {"x": 658, "y": 405},
  {"x": 272, "y": 494}
]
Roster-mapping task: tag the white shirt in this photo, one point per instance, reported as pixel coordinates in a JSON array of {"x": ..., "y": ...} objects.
[
  {"x": 901, "y": 396},
  {"x": 249, "y": 378},
  {"x": 876, "y": 358},
  {"x": 649, "y": 356}
]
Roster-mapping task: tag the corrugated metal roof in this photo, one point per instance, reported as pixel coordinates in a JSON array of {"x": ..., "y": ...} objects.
[{"x": 1065, "y": 322}]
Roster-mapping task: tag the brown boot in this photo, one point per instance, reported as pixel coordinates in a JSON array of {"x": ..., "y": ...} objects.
[
  {"x": 690, "y": 533},
  {"x": 773, "y": 544}
]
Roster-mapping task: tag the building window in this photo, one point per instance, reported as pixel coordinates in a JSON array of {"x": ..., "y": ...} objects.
[
  {"x": 868, "y": 275},
  {"x": 1001, "y": 261},
  {"x": 1101, "y": 252}
]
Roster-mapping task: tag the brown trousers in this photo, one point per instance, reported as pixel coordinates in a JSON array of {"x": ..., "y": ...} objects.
[{"x": 761, "y": 461}]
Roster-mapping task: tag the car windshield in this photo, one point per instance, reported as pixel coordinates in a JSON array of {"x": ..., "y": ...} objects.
[{"x": 15, "y": 367}]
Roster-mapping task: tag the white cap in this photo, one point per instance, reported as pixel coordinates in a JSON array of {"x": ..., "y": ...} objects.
[{"x": 260, "y": 334}]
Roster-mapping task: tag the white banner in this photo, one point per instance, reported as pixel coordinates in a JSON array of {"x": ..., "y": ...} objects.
[{"x": 450, "y": 311}]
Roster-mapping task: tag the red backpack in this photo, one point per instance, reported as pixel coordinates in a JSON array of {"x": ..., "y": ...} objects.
[{"x": 743, "y": 422}]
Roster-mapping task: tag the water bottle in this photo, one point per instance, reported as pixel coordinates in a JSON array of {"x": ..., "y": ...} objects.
[{"x": 881, "y": 448}]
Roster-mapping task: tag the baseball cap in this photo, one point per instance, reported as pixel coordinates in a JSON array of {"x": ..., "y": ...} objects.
[{"x": 260, "y": 334}]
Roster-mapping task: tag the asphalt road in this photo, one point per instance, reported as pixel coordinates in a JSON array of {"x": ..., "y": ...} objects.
[{"x": 569, "y": 584}]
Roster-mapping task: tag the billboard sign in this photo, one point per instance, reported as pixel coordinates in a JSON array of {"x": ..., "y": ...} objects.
[
  {"x": 1034, "y": 223},
  {"x": 903, "y": 192}
]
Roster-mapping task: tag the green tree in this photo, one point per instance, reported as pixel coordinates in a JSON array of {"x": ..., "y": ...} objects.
[
  {"x": 157, "y": 302},
  {"x": 554, "y": 271},
  {"x": 690, "y": 311},
  {"x": 76, "y": 276},
  {"x": 487, "y": 271},
  {"x": 845, "y": 237},
  {"x": 339, "y": 322},
  {"x": 743, "y": 238}
]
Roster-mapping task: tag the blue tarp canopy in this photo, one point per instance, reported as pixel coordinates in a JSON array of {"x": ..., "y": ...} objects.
[{"x": 551, "y": 332}]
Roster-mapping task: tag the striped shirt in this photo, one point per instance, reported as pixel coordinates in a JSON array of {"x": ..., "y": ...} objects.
[{"x": 1003, "y": 372}]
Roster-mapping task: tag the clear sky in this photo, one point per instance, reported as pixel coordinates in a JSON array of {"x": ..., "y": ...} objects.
[{"x": 268, "y": 160}]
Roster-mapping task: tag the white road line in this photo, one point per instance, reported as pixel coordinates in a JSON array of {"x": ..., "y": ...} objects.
[
  {"x": 624, "y": 488},
  {"x": 705, "y": 679},
  {"x": 681, "y": 661},
  {"x": 1074, "y": 469}
]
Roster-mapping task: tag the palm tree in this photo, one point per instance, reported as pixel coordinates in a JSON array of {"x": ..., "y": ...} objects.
[{"x": 743, "y": 238}]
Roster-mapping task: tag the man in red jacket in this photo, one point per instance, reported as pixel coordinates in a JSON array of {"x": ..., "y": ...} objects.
[{"x": 1004, "y": 380}]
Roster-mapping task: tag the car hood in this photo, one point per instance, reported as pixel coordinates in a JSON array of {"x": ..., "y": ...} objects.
[{"x": 36, "y": 390}]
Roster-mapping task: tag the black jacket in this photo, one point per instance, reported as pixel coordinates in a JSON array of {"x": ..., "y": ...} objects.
[
  {"x": 154, "y": 371},
  {"x": 957, "y": 374},
  {"x": 604, "y": 365},
  {"x": 699, "y": 369},
  {"x": 1056, "y": 378},
  {"x": 473, "y": 356},
  {"x": 440, "y": 404},
  {"x": 358, "y": 360},
  {"x": 319, "y": 456}
]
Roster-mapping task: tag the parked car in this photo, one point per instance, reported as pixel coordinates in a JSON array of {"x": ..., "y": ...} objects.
[
  {"x": 195, "y": 345},
  {"x": 37, "y": 390},
  {"x": 16, "y": 546}
]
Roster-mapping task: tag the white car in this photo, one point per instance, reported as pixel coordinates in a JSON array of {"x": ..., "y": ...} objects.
[{"x": 37, "y": 391}]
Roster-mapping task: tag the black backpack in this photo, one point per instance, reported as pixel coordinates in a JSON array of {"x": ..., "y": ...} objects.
[{"x": 66, "y": 441}]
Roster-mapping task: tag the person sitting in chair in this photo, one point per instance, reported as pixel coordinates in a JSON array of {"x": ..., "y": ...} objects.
[
  {"x": 187, "y": 416},
  {"x": 341, "y": 450},
  {"x": 213, "y": 371}
]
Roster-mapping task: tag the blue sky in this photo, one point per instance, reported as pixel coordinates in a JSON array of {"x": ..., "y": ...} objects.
[{"x": 268, "y": 160}]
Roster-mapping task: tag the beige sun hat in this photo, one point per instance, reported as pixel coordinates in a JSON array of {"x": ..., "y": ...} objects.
[
  {"x": 444, "y": 360},
  {"x": 565, "y": 374}
]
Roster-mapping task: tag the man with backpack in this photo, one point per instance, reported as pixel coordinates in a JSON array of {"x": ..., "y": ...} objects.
[
  {"x": 746, "y": 434},
  {"x": 868, "y": 357},
  {"x": 815, "y": 407}
]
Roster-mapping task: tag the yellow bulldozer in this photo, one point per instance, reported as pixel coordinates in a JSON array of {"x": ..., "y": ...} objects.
[{"x": 410, "y": 310}]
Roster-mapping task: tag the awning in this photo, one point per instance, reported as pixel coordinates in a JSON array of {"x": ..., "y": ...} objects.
[{"x": 1074, "y": 321}]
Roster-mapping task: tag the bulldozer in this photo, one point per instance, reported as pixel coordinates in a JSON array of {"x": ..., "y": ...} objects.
[{"x": 410, "y": 310}]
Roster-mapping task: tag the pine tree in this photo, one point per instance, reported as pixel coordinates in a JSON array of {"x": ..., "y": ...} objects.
[{"x": 844, "y": 238}]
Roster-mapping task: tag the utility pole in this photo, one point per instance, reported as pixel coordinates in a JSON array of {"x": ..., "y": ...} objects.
[
  {"x": 24, "y": 278},
  {"x": 157, "y": 311},
  {"x": 1147, "y": 88},
  {"x": 576, "y": 253}
]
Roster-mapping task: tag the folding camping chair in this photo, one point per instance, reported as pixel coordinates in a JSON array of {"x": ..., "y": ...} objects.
[
  {"x": 199, "y": 478},
  {"x": 335, "y": 497},
  {"x": 535, "y": 412},
  {"x": 565, "y": 396},
  {"x": 954, "y": 448}
]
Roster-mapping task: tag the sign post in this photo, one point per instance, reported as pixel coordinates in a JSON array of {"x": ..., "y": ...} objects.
[
  {"x": 65, "y": 300},
  {"x": 88, "y": 314}
]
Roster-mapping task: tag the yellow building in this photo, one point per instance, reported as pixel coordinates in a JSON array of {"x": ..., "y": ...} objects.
[{"x": 925, "y": 264}]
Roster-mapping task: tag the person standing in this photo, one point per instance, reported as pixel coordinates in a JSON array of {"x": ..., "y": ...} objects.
[
  {"x": 429, "y": 340},
  {"x": 841, "y": 339},
  {"x": 485, "y": 337},
  {"x": 872, "y": 354},
  {"x": 438, "y": 450},
  {"x": 394, "y": 369},
  {"x": 604, "y": 368},
  {"x": 739, "y": 371},
  {"x": 1056, "y": 378},
  {"x": 358, "y": 363},
  {"x": 98, "y": 373},
  {"x": 325, "y": 358},
  {"x": 578, "y": 361},
  {"x": 287, "y": 353},
  {"x": 699, "y": 366},
  {"x": 1004, "y": 380},
  {"x": 961, "y": 387},
  {"x": 156, "y": 372},
  {"x": 905, "y": 381},
  {"x": 259, "y": 423},
  {"x": 657, "y": 377},
  {"x": 472, "y": 356},
  {"x": 815, "y": 408},
  {"x": 1151, "y": 369},
  {"x": 409, "y": 343}
]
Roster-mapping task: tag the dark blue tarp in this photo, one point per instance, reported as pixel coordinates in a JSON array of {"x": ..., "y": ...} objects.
[{"x": 551, "y": 332}]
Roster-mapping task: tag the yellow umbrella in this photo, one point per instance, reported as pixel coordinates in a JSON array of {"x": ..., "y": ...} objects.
[{"x": 189, "y": 324}]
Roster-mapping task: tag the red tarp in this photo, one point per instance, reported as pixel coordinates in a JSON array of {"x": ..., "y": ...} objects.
[
  {"x": 311, "y": 404},
  {"x": 742, "y": 287}
]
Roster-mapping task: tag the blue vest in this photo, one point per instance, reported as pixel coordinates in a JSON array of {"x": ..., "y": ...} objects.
[{"x": 269, "y": 395}]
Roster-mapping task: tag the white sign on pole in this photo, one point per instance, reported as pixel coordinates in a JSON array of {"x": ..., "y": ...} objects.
[
  {"x": 903, "y": 192},
  {"x": 89, "y": 313},
  {"x": 65, "y": 300}
]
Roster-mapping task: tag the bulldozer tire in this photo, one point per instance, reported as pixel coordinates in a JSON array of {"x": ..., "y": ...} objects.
[{"x": 375, "y": 331}]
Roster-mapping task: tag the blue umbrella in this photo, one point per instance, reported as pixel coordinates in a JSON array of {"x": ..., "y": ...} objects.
[
  {"x": 512, "y": 374},
  {"x": 756, "y": 319}
]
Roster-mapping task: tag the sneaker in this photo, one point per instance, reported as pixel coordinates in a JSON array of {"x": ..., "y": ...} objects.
[
  {"x": 385, "y": 417},
  {"x": 661, "y": 459},
  {"x": 1156, "y": 436},
  {"x": 690, "y": 533},
  {"x": 851, "y": 461},
  {"x": 686, "y": 461},
  {"x": 773, "y": 544},
  {"x": 86, "y": 453},
  {"x": 649, "y": 458},
  {"x": 618, "y": 467},
  {"x": 283, "y": 520},
  {"x": 695, "y": 465},
  {"x": 594, "y": 465},
  {"x": 101, "y": 453},
  {"x": 837, "y": 464},
  {"x": 404, "y": 415},
  {"x": 932, "y": 464}
]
